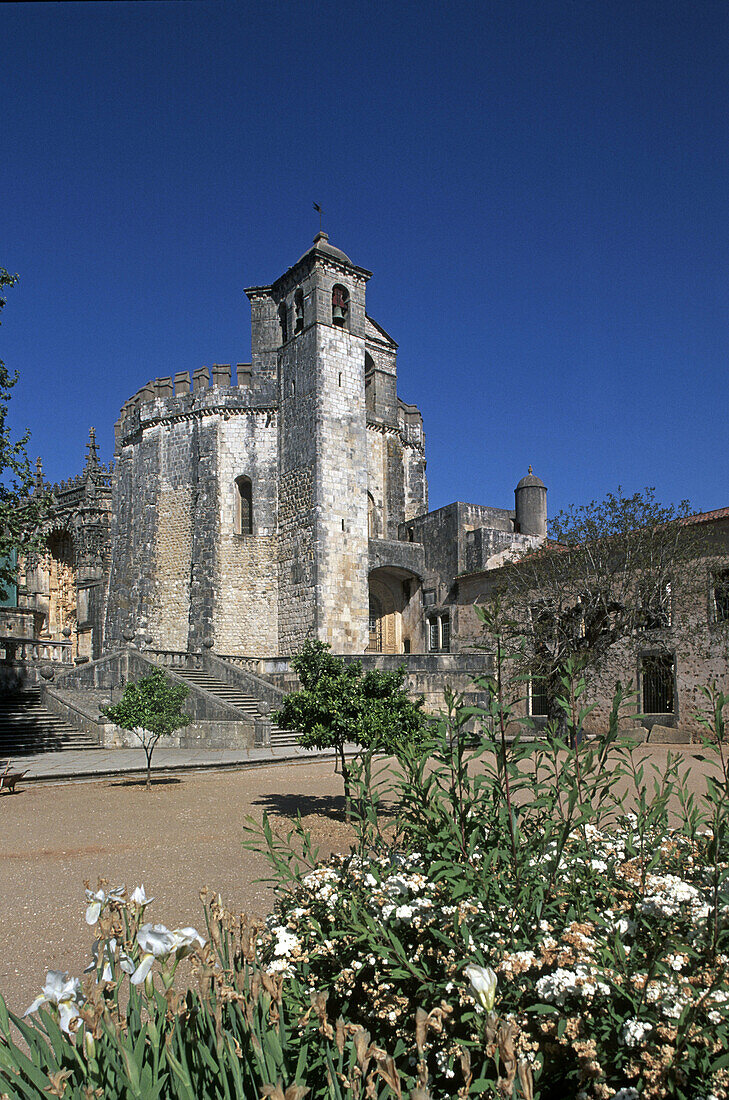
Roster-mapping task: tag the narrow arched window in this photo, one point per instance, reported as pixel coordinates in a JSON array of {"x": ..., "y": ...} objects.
[
  {"x": 243, "y": 506},
  {"x": 299, "y": 310},
  {"x": 284, "y": 322},
  {"x": 340, "y": 305}
]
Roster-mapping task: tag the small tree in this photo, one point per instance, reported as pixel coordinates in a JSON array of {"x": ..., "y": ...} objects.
[
  {"x": 339, "y": 704},
  {"x": 22, "y": 508},
  {"x": 610, "y": 570},
  {"x": 151, "y": 708}
]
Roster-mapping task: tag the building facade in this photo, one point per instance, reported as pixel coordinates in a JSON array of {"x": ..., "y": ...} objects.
[{"x": 249, "y": 509}]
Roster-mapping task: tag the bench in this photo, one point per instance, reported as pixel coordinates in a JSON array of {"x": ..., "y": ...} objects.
[{"x": 8, "y": 780}]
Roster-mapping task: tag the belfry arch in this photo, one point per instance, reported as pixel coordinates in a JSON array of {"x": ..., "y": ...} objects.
[{"x": 392, "y": 618}]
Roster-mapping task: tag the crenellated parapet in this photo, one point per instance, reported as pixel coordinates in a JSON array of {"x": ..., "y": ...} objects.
[{"x": 180, "y": 396}]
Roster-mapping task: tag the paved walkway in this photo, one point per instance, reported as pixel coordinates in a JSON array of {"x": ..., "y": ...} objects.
[{"x": 93, "y": 763}]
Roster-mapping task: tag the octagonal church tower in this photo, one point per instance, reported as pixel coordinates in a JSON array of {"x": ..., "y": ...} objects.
[{"x": 250, "y": 514}]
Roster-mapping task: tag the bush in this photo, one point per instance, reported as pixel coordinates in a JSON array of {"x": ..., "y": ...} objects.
[
  {"x": 530, "y": 920},
  {"x": 607, "y": 930}
]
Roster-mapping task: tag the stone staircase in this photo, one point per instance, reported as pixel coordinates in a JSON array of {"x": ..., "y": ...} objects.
[
  {"x": 247, "y": 704},
  {"x": 26, "y": 728}
]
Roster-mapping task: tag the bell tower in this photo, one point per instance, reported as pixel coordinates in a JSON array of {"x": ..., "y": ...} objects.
[{"x": 309, "y": 326}]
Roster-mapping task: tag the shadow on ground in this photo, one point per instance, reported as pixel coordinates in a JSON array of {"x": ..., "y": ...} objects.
[
  {"x": 162, "y": 781},
  {"x": 289, "y": 805}
]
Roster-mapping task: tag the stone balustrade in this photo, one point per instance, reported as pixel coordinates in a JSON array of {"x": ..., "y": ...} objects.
[
  {"x": 31, "y": 650},
  {"x": 174, "y": 658}
]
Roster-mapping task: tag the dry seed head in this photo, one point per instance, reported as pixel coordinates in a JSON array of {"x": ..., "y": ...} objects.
[
  {"x": 339, "y": 1035},
  {"x": 58, "y": 1082},
  {"x": 421, "y": 1029},
  {"x": 388, "y": 1072},
  {"x": 361, "y": 1047},
  {"x": 526, "y": 1081}
]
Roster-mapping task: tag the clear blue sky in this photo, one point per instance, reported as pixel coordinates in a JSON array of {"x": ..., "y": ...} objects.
[{"x": 540, "y": 188}]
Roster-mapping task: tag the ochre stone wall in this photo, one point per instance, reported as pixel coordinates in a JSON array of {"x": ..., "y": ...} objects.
[{"x": 169, "y": 614}]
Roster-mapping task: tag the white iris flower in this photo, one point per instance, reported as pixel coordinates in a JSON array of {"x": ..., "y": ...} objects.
[
  {"x": 158, "y": 942},
  {"x": 98, "y": 899},
  {"x": 63, "y": 994},
  {"x": 483, "y": 984}
]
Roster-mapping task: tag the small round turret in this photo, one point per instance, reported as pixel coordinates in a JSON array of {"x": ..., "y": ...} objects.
[{"x": 531, "y": 506}]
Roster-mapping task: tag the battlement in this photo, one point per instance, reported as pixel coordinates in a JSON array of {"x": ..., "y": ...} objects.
[
  {"x": 179, "y": 394},
  {"x": 216, "y": 377}
]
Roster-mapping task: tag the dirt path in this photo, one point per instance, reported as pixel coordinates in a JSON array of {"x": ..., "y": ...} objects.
[{"x": 185, "y": 834}]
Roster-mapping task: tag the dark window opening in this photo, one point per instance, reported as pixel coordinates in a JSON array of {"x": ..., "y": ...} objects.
[
  {"x": 298, "y": 311},
  {"x": 657, "y": 678},
  {"x": 244, "y": 506},
  {"x": 538, "y": 698},
  {"x": 721, "y": 596},
  {"x": 375, "y": 645},
  {"x": 406, "y": 645},
  {"x": 283, "y": 321},
  {"x": 655, "y": 611}
]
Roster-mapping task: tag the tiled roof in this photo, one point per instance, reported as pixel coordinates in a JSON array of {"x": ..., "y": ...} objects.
[{"x": 708, "y": 517}]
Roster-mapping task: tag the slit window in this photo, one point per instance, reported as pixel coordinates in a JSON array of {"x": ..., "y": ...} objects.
[
  {"x": 244, "y": 506},
  {"x": 298, "y": 311}
]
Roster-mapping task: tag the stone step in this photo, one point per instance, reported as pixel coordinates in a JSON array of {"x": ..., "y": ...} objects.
[
  {"x": 242, "y": 701},
  {"x": 26, "y": 727}
]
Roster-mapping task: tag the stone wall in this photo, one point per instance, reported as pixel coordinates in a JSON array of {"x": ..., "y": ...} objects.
[
  {"x": 246, "y": 605},
  {"x": 297, "y": 472},
  {"x": 341, "y": 506},
  {"x": 697, "y": 644}
]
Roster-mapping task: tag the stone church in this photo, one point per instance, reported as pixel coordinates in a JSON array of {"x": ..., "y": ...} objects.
[{"x": 247, "y": 510}]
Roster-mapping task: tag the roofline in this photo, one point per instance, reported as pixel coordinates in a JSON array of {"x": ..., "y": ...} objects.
[{"x": 381, "y": 330}]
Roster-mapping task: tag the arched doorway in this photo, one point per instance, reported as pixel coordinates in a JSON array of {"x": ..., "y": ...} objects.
[{"x": 393, "y": 592}]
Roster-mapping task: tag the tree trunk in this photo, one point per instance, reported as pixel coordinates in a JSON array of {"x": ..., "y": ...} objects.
[{"x": 345, "y": 777}]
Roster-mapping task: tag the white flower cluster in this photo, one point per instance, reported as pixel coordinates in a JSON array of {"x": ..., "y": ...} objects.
[
  {"x": 634, "y": 1032},
  {"x": 668, "y": 895},
  {"x": 583, "y": 982},
  {"x": 286, "y": 942}
]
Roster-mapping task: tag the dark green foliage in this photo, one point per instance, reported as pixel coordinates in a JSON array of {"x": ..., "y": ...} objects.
[
  {"x": 339, "y": 704},
  {"x": 22, "y": 510},
  {"x": 151, "y": 708}
]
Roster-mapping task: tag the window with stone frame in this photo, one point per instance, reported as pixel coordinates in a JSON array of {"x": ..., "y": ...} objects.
[
  {"x": 340, "y": 305},
  {"x": 283, "y": 320},
  {"x": 439, "y": 633},
  {"x": 243, "y": 506},
  {"x": 657, "y": 676},
  {"x": 538, "y": 697},
  {"x": 720, "y": 596}
]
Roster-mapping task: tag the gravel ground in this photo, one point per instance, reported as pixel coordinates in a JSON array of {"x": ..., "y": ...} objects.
[{"x": 184, "y": 834}]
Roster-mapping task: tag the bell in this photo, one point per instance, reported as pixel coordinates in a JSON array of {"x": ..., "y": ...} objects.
[{"x": 338, "y": 315}]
